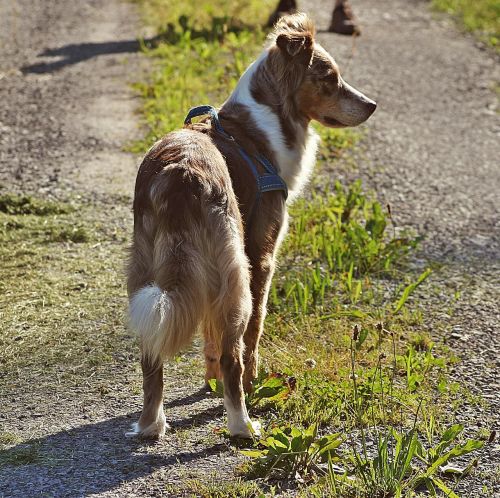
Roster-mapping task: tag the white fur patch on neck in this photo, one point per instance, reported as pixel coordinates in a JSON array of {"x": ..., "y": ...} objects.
[{"x": 294, "y": 164}]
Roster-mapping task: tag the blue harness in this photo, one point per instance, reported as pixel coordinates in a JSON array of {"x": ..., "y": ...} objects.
[{"x": 266, "y": 182}]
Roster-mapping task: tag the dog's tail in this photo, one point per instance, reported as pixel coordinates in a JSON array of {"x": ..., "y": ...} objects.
[{"x": 165, "y": 320}]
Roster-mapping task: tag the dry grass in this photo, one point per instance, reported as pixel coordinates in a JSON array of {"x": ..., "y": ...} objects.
[{"x": 62, "y": 295}]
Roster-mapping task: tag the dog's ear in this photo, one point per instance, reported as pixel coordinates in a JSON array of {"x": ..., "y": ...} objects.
[{"x": 296, "y": 46}]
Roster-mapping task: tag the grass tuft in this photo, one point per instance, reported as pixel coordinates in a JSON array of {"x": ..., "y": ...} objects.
[
  {"x": 8, "y": 439},
  {"x": 24, "y": 454},
  {"x": 26, "y": 204}
]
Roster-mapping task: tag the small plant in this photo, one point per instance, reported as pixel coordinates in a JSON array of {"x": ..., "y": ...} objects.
[
  {"x": 8, "y": 439},
  {"x": 417, "y": 365},
  {"x": 293, "y": 452},
  {"x": 408, "y": 290},
  {"x": 75, "y": 234},
  {"x": 214, "y": 487},
  {"x": 270, "y": 387},
  {"x": 396, "y": 469},
  {"x": 421, "y": 342}
]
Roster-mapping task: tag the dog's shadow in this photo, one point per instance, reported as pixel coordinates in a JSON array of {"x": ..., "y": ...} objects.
[{"x": 95, "y": 458}]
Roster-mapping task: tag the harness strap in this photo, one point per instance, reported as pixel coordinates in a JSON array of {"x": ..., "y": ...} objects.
[
  {"x": 266, "y": 182},
  {"x": 204, "y": 110}
]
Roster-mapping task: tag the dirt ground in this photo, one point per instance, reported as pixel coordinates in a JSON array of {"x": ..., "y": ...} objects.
[{"x": 431, "y": 150}]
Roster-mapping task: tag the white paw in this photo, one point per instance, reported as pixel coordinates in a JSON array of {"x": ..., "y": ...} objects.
[
  {"x": 248, "y": 429},
  {"x": 155, "y": 430},
  {"x": 256, "y": 428}
]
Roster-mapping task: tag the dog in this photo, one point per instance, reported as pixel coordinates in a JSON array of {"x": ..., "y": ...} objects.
[{"x": 210, "y": 213}]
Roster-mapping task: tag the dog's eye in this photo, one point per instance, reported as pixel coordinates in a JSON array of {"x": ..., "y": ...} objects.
[
  {"x": 329, "y": 84},
  {"x": 330, "y": 79}
]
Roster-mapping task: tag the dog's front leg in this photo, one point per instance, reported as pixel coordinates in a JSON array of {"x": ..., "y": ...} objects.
[{"x": 262, "y": 274}]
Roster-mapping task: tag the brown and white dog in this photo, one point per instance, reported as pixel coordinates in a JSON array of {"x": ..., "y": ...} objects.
[{"x": 196, "y": 262}]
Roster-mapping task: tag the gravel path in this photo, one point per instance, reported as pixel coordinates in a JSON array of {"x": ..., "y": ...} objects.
[
  {"x": 65, "y": 109},
  {"x": 430, "y": 150}
]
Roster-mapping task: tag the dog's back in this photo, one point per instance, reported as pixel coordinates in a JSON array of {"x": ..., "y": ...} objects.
[{"x": 187, "y": 263}]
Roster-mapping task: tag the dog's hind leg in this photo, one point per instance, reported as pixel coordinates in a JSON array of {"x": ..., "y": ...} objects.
[
  {"x": 152, "y": 422},
  {"x": 235, "y": 313},
  {"x": 212, "y": 354}
]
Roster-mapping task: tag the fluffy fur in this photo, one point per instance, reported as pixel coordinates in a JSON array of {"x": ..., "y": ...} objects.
[{"x": 197, "y": 263}]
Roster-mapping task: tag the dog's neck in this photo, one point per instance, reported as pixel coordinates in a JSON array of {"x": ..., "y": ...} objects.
[{"x": 292, "y": 140}]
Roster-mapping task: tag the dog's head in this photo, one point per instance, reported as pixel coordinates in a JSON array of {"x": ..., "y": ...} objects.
[{"x": 310, "y": 78}]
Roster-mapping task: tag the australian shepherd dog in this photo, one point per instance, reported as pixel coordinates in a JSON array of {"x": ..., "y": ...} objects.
[{"x": 206, "y": 234}]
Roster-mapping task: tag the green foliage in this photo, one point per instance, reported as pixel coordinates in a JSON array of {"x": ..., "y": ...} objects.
[
  {"x": 75, "y": 234},
  {"x": 191, "y": 72},
  {"x": 401, "y": 464},
  {"x": 236, "y": 13},
  {"x": 267, "y": 388},
  {"x": 337, "y": 239},
  {"x": 417, "y": 365},
  {"x": 480, "y": 16},
  {"x": 398, "y": 463},
  {"x": 26, "y": 204},
  {"x": 198, "y": 60},
  {"x": 292, "y": 451},
  {"x": 334, "y": 141},
  {"x": 409, "y": 289},
  {"x": 270, "y": 387}
]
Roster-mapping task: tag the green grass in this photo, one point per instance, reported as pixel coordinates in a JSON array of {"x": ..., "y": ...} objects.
[
  {"x": 337, "y": 241},
  {"x": 213, "y": 487},
  {"x": 26, "y": 204},
  {"x": 479, "y": 16}
]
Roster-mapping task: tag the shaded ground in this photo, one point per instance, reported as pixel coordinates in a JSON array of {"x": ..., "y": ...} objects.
[{"x": 65, "y": 113}]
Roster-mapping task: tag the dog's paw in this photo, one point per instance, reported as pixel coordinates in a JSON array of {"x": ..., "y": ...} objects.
[
  {"x": 246, "y": 429},
  {"x": 152, "y": 431}
]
